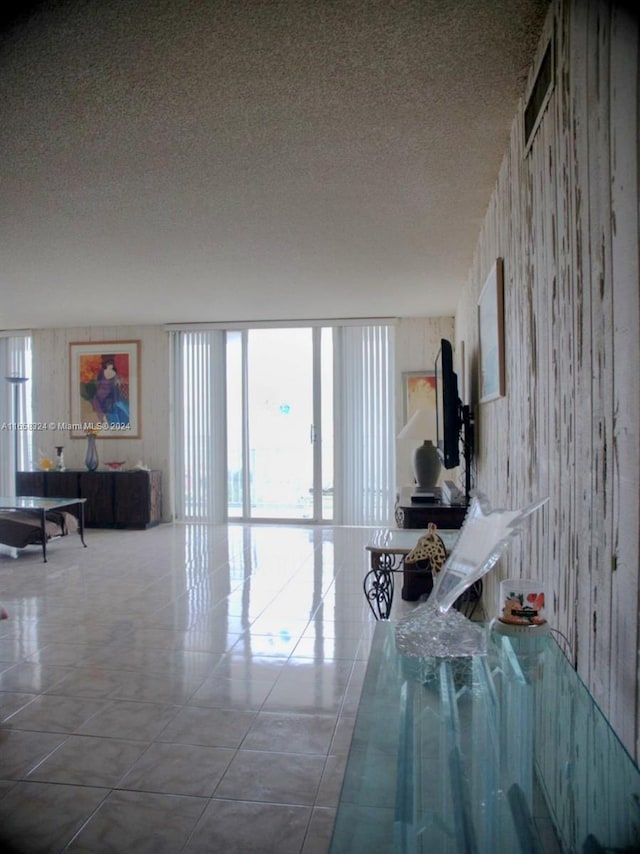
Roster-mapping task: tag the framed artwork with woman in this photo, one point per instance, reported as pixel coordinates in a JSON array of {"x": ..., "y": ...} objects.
[{"x": 105, "y": 388}]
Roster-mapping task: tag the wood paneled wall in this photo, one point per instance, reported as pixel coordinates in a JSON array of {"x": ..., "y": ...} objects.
[{"x": 564, "y": 216}]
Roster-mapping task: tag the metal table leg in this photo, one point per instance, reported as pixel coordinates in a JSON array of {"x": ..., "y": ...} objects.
[
  {"x": 43, "y": 533},
  {"x": 378, "y": 583},
  {"x": 81, "y": 523}
]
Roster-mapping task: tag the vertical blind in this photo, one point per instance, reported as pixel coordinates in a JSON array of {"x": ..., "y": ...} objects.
[
  {"x": 365, "y": 425},
  {"x": 198, "y": 425},
  {"x": 364, "y": 422},
  {"x": 15, "y": 360}
]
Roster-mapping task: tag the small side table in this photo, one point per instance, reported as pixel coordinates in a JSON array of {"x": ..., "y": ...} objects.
[{"x": 388, "y": 550}]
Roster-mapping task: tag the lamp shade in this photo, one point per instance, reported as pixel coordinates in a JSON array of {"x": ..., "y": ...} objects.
[{"x": 421, "y": 425}]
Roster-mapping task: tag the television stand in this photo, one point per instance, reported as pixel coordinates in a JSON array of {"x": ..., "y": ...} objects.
[{"x": 418, "y": 514}]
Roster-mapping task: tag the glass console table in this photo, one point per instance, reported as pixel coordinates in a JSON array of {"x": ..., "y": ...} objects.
[{"x": 499, "y": 753}]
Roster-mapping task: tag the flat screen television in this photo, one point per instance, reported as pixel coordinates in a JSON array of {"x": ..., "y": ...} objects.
[{"x": 448, "y": 407}]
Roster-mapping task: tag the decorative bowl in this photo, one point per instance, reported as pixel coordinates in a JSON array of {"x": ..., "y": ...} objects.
[{"x": 114, "y": 466}]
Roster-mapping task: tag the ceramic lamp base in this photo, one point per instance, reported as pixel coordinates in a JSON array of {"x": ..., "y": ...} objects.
[{"x": 426, "y": 465}]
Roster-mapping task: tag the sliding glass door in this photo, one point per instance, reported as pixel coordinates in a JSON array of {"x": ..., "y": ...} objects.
[
  {"x": 279, "y": 424},
  {"x": 260, "y": 413}
]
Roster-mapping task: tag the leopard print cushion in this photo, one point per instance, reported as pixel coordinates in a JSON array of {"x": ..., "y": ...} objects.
[{"x": 429, "y": 547}]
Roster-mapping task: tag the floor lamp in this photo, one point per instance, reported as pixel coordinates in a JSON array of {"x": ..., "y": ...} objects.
[{"x": 16, "y": 382}]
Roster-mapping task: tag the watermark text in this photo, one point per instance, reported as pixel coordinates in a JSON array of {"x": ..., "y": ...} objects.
[{"x": 81, "y": 427}]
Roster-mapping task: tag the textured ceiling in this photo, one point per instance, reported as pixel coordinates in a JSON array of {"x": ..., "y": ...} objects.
[{"x": 181, "y": 160}]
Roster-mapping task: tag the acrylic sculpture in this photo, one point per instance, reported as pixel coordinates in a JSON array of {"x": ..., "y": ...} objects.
[{"x": 435, "y": 629}]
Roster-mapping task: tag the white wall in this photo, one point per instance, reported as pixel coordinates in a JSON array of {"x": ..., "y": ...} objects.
[{"x": 565, "y": 219}]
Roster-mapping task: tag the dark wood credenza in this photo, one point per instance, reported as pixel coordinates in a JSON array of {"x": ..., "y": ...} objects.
[{"x": 114, "y": 499}]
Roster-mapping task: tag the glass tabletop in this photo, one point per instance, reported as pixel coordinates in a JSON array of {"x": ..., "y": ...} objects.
[
  {"x": 502, "y": 752},
  {"x": 27, "y": 502},
  {"x": 404, "y": 539}
]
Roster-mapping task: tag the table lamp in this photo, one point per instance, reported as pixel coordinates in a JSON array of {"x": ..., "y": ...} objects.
[{"x": 426, "y": 462}]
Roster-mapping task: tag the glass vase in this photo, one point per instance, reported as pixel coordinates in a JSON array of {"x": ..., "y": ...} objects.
[
  {"x": 60, "y": 458},
  {"x": 91, "y": 460}
]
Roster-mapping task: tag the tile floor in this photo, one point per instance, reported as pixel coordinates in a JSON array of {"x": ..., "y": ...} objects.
[{"x": 182, "y": 689}]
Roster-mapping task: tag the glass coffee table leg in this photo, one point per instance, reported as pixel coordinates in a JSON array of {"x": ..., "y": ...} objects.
[{"x": 81, "y": 524}]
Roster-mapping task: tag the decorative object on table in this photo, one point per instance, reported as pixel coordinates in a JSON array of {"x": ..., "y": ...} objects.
[
  {"x": 522, "y": 602},
  {"x": 60, "y": 458},
  {"x": 46, "y": 464},
  {"x": 140, "y": 466},
  {"x": 429, "y": 548},
  {"x": 433, "y": 629},
  {"x": 491, "y": 334},
  {"x": 115, "y": 466},
  {"x": 91, "y": 459},
  {"x": 426, "y": 461},
  {"x": 521, "y": 611},
  {"x": 105, "y": 388}
]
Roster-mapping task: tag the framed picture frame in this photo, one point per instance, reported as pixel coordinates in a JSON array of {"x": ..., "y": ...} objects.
[
  {"x": 105, "y": 389},
  {"x": 418, "y": 392},
  {"x": 491, "y": 335}
]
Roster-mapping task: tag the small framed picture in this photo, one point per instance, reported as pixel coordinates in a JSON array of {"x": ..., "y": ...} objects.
[
  {"x": 418, "y": 392},
  {"x": 491, "y": 335},
  {"x": 105, "y": 389}
]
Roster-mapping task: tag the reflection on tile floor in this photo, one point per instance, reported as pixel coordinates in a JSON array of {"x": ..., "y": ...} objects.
[{"x": 182, "y": 689}]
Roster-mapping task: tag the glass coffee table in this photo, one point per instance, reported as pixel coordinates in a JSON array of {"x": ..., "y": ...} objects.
[{"x": 39, "y": 507}]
